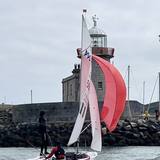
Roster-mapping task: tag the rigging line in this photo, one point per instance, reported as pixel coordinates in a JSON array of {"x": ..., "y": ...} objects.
[
  {"x": 78, "y": 137},
  {"x": 125, "y": 75},
  {"x": 139, "y": 95},
  {"x": 27, "y": 141},
  {"x": 152, "y": 95},
  {"x": 129, "y": 107},
  {"x": 85, "y": 128},
  {"x": 49, "y": 139},
  {"x": 34, "y": 147},
  {"x": 48, "y": 134},
  {"x": 86, "y": 48}
]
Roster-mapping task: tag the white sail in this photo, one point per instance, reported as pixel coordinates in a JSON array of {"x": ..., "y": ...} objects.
[
  {"x": 86, "y": 39},
  {"x": 95, "y": 119},
  {"x": 85, "y": 69},
  {"x": 84, "y": 83}
]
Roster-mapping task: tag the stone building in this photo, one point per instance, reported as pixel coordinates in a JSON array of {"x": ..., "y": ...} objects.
[{"x": 70, "y": 85}]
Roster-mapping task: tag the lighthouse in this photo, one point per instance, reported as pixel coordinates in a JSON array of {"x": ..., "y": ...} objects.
[
  {"x": 71, "y": 84},
  {"x": 99, "y": 42},
  {"x": 99, "y": 48}
]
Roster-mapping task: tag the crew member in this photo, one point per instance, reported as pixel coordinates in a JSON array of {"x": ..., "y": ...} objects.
[
  {"x": 43, "y": 132},
  {"x": 58, "y": 152}
]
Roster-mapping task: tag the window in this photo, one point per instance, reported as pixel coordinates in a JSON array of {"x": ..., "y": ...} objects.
[{"x": 100, "y": 86}]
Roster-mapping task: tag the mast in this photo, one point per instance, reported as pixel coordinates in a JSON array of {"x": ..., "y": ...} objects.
[
  {"x": 159, "y": 86},
  {"x": 128, "y": 81},
  {"x": 159, "y": 92},
  {"x": 83, "y": 14},
  {"x": 143, "y": 95},
  {"x": 31, "y": 97},
  {"x": 129, "y": 109},
  {"x": 82, "y": 47}
]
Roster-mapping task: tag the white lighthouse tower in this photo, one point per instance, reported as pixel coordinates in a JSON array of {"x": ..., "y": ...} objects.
[{"x": 99, "y": 48}]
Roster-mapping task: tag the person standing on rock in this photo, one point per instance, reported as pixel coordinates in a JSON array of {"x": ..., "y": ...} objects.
[
  {"x": 146, "y": 115},
  {"x": 43, "y": 133}
]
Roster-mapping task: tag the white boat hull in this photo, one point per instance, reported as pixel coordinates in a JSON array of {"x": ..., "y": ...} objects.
[
  {"x": 38, "y": 158},
  {"x": 89, "y": 156}
]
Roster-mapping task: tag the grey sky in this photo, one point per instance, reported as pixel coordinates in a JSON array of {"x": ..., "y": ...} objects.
[{"x": 38, "y": 39}]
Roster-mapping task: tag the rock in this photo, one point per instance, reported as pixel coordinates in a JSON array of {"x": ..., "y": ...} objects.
[
  {"x": 122, "y": 142},
  {"x": 109, "y": 139},
  {"x": 142, "y": 129},
  {"x": 2, "y": 127},
  {"x": 133, "y": 142},
  {"x": 133, "y": 124},
  {"x": 126, "y": 133},
  {"x": 127, "y": 128},
  {"x": 158, "y": 133},
  {"x": 136, "y": 135}
]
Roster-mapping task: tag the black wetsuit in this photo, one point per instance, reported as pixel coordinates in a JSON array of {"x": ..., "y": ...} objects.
[{"x": 43, "y": 132}]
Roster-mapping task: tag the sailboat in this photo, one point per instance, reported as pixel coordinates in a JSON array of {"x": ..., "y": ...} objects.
[{"x": 114, "y": 99}]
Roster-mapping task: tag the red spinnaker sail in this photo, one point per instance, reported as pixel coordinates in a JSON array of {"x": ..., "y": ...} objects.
[{"x": 115, "y": 94}]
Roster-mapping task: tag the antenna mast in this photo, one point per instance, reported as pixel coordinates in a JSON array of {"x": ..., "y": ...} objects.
[
  {"x": 143, "y": 95},
  {"x": 129, "y": 109},
  {"x": 159, "y": 87},
  {"x": 31, "y": 97}
]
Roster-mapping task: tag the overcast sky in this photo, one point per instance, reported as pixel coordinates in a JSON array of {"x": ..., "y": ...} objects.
[{"x": 38, "y": 41}]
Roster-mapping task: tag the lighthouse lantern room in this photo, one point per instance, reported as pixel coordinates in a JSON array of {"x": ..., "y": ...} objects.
[{"x": 99, "y": 42}]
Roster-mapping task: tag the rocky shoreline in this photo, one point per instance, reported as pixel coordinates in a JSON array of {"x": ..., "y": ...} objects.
[{"x": 134, "y": 133}]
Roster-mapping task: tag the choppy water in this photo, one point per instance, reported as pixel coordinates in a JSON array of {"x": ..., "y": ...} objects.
[{"x": 108, "y": 153}]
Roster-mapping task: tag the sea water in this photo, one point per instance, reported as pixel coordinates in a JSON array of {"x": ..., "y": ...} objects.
[{"x": 108, "y": 153}]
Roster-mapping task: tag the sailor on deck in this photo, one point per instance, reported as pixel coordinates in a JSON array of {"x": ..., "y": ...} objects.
[{"x": 58, "y": 152}]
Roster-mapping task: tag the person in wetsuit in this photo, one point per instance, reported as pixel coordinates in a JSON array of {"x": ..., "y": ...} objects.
[
  {"x": 58, "y": 152},
  {"x": 43, "y": 133}
]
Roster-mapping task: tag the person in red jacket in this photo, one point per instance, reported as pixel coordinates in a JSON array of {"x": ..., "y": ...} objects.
[{"x": 58, "y": 151}]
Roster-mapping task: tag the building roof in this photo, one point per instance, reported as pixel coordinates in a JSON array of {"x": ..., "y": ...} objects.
[{"x": 94, "y": 31}]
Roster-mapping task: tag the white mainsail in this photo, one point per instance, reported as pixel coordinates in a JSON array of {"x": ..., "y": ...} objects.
[
  {"x": 87, "y": 95},
  {"x": 84, "y": 83},
  {"x": 95, "y": 119},
  {"x": 85, "y": 69}
]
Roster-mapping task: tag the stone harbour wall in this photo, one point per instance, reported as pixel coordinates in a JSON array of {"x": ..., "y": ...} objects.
[
  {"x": 137, "y": 133},
  {"x": 19, "y": 127},
  {"x": 60, "y": 111}
]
